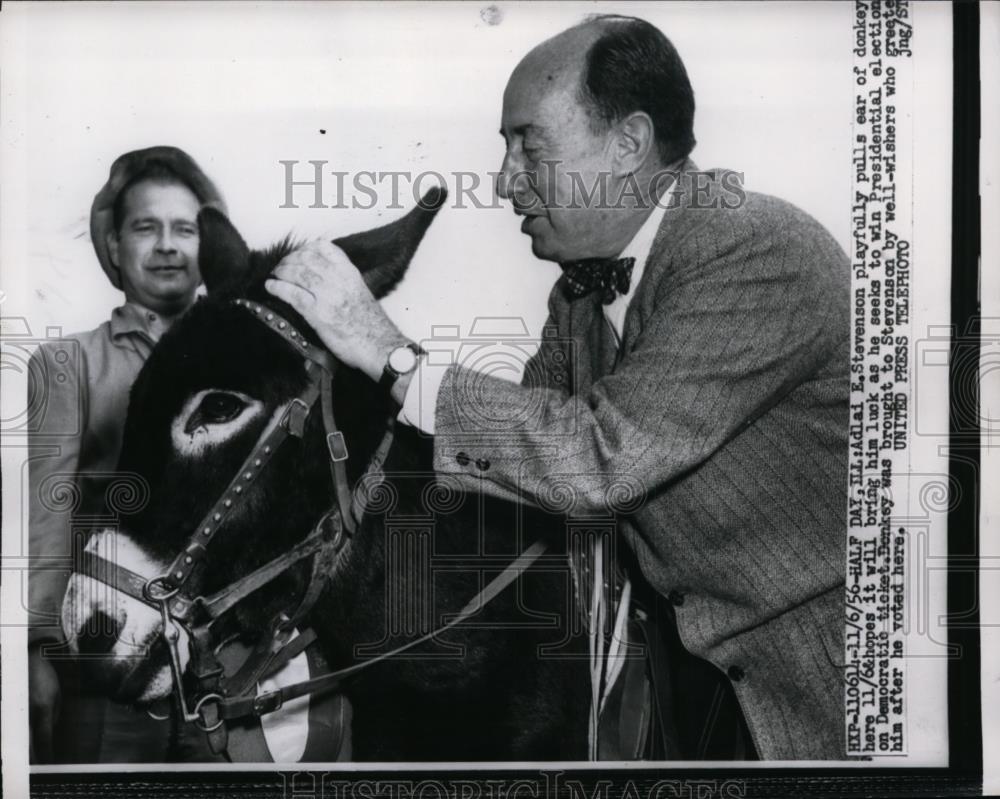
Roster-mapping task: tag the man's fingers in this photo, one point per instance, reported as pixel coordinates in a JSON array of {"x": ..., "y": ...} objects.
[
  {"x": 299, "y": 298},
  {"x": 319, "y": 257},
  {"x": 295, "y": 269},
  {"x": 328, "y": 251}
]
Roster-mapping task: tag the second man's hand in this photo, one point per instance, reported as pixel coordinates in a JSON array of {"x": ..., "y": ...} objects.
[{"x": 320, "y": 282}]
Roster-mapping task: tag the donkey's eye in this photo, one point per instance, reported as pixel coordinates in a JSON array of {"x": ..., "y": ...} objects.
[
  {"x": 218, "y": 407},
  {"x": 211, "y": 417}
]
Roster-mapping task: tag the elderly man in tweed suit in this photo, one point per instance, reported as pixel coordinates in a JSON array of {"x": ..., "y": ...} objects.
[{"x": 702, "y": 352}]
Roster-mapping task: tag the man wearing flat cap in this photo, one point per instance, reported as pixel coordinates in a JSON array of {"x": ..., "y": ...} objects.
[{"x": 144, "y": 229}]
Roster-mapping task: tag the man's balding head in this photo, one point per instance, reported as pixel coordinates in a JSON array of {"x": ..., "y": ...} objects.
[
  {"x": 619, "y": 65},
  {"x": 559, "y": 59},
  {"x": 600, "y": 105}
]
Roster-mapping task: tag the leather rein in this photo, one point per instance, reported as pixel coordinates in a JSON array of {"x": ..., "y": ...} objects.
[{"x": 221, "y": 699}]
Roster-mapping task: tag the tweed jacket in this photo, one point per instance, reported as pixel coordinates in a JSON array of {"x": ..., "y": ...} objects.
[{"x": 716, "y": 434}]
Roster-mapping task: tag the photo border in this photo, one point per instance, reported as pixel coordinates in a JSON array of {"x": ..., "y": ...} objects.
[{"x": 963, "y": 775}]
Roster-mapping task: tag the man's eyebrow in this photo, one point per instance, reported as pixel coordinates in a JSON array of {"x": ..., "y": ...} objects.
[
  {"x": 153, "y": 220},
  {"x": 521, "y": 130}
]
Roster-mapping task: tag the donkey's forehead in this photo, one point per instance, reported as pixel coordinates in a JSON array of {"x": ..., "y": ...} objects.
[{"x": 220, "y": 344}]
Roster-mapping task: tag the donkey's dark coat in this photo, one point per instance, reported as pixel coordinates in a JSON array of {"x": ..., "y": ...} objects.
[{"x": 483, "y": 692}]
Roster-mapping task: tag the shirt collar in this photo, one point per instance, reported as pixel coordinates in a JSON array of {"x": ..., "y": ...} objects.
[
  {"x": 642, "y": 242},
  {"x": 132, "y": 318},
  {"x": 638, "y": 248}
]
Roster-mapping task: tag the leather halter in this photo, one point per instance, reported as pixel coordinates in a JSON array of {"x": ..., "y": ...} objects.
[
  {"x": 197, "y": 615},
  {"x": 219, "y": 703}
]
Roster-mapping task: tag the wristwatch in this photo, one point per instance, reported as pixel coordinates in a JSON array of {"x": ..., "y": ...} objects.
[{"x": 401, "y": 361}]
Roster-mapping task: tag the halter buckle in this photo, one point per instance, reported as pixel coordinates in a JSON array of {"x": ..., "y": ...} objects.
[
  {"x": 267, "y": 703},
  {"x": 294, "y": 420},
  {"x": 337, "y": 446}
]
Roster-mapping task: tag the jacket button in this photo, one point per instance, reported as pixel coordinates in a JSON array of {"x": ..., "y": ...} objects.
[
  {"x": 462, "y": 459},
  {"x": 735, "y": 673},
  {"x": 676, "y": 598},
  {"x": 483, "y": 464}
]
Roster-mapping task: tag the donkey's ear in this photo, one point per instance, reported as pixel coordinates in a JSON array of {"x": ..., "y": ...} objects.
[
  {"x": 223, "y": 256},
  {"x": 383, "y": 254}
]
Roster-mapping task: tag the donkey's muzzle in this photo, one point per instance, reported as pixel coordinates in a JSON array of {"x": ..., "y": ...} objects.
[
  {"x": 98, "y": 636},
  {"x": 95, "y": 642}
]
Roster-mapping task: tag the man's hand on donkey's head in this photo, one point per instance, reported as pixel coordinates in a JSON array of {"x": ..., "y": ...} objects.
[{"x": 320, "y": 282}]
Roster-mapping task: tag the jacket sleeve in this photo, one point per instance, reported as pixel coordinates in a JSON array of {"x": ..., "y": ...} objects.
[
  {"x": 740, "y": 316},
  {"x": 56, "y": 432}
]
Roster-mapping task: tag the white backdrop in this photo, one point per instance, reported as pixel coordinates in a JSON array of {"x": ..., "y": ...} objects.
[
  {"x": 395, "y": 87},
  {"x": 404, "y": 86}
]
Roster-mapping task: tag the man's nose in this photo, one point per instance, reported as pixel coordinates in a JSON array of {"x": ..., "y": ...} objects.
[
  {"x": 165, "y": 241},
  {"x": 512, "y": 179}
]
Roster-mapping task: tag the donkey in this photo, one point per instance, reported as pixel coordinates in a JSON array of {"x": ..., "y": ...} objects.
[{"x": 498, "y": 686}]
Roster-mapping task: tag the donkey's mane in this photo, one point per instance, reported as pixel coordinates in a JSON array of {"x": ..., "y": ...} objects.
[{"x": 261, "y": 262}]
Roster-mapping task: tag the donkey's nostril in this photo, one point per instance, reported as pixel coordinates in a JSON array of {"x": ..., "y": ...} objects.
[{"x": 98, "y": 635}]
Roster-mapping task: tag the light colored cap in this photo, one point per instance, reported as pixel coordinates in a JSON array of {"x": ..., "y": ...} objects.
[{"x": 125, "y": 168}]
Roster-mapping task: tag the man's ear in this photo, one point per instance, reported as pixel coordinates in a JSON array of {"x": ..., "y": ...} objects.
[
  {"x": 111, "y": 239},
  {"x": 383, "y": 254},
  {"x": 223, "y": 256},
  {"x": 635, "y": 137}
]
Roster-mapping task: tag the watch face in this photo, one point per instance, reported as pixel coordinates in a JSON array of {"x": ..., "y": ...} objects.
[{"x": 402, "y": 360}]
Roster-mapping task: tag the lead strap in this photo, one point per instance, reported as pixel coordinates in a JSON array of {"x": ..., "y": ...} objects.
[{"x": 239, "y": 707}]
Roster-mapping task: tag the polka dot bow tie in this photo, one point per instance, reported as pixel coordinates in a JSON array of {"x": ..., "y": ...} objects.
[{"x": 610, "y": 276}]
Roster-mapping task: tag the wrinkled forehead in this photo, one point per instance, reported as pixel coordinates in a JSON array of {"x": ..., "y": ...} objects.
[
  {"x": 555, "y": 66},
  {"x": 544, "y": 91}
]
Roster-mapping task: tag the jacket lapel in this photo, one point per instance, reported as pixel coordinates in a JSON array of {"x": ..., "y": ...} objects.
[{"x": 585, "y": 331}]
